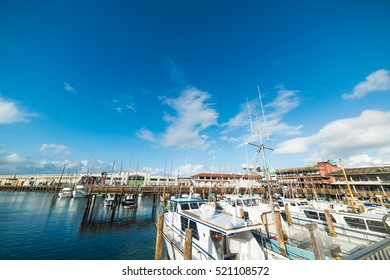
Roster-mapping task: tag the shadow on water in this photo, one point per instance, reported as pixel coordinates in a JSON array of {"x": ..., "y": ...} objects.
[{"x": 98, "y": 217}]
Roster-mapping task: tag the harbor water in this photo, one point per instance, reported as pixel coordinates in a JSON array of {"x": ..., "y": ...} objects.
[{"x": 39, "y": 226}]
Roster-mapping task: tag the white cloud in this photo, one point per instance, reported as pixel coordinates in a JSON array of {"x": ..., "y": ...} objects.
[
  {"x": 147, "y": 135},
  {"x": 351, "y": 138},
  {"x": 11, "y": 113},
  {"x": 188, "y": 170},
  {"x": 16, "y": 164},
  {"x": 54, "y": 149},
  {"x": 376, "y": 81},
  {"x": 68, "y": 87},
  {"x": 186, "y": 127}
]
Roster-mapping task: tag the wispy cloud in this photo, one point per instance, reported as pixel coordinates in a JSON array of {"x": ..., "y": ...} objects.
[
  {"x": 10, "y": 112},
  {"x": 68, "y": 87},
  {"x": 175, "y": 73},
  {"x": 123, "y": 102},
  {"x": 345, "y": 138},
  {"x": 147, "y": 135},
  {"x": 186, "y": 127},
  {"x": 249, "y": 120},
  {"x": 376, "y": 81},
  {"x": 56, "y": 149}
]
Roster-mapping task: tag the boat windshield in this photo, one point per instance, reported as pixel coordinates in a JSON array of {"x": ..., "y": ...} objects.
[{"x": 250, "y": 202}]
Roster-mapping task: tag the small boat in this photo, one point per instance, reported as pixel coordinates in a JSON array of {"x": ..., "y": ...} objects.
[
  {"x": 215, "y": 235},
  {"x": 80, "y": 191},
  {"x": 110, "y": 199},
  {"x": 65, "y": 192},
  {"x": 129, "y": 201}
]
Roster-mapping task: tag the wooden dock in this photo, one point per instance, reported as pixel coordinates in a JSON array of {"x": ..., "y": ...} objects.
[{"x": 204, "y": 191}]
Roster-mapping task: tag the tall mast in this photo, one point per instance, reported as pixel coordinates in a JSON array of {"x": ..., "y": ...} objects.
[{"x": 261, "y": 148}]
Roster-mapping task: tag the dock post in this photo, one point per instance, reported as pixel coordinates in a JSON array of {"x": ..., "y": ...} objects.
[
  {"x": 188, "y": 245},
  {"x": 92, "y": 206},
  {"x": 314, "y": 242},
  {"x": 332, "y": 232},
  {"x": 279, "y": 230},
  {"x": 288, "y": 214},
  {"x": 159, "y": 237}
]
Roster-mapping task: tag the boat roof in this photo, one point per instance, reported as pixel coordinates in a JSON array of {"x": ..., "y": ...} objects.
[
  {"x": 220, "y": 221},
  {"x": 185, "y": 199},
  {"x": 356, "y": 215}
]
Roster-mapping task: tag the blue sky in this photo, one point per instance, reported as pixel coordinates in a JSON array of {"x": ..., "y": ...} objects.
[{"x": 171, "y": 86}]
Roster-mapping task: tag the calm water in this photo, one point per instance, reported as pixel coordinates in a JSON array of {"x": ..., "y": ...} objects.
[{"x": 34, "y": 226}]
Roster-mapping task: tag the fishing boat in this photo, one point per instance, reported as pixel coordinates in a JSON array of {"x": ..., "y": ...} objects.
[
  {"x": 129, "y": 201},
  {"x": 110, "y": 199},
  {"x": 80, "y": 191},
  {"x": 215, "y": 235},
  {"x": 65, "y": 192}
]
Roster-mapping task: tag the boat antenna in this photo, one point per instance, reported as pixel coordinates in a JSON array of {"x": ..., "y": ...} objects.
[{"x": 262, "y": 111}]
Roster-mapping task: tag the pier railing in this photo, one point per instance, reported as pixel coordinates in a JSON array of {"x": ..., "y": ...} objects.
[{"x": 376, "y": 251}]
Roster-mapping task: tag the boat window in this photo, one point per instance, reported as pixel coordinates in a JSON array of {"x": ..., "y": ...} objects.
[
  {"x": 195, "y": 233},
  {"x": 184, "y": 206},
  {"x": 376, "y": 226},
  {"x": 281, "y": 204},
  {"x": 239, "y": 202},
  {"x": 323, "y": 218},
  {"x": 311, "y": 214},
  {"x": 293, "y": 204},
  {"x": 355, "y": 222},
  {"x": 184, "y": 223},
  {"x": 194, "y": 205},
  {"x": 247, "y": 202}
]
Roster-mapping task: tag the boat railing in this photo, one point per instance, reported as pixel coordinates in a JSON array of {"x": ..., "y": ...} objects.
[{"x": 377, "y": 251}]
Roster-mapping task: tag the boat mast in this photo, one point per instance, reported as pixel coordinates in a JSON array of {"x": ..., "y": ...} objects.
[{"x": 261, "y": 149}]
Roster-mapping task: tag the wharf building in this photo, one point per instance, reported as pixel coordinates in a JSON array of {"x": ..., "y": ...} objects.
[
  {"x": 328, "y": 180},
  {"x": 129, "y": 178}
]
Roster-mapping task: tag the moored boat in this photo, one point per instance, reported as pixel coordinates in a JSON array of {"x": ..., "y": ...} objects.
[
  {"x": 110, "y": 199},
  {"x": 65, "y": 192},
  {"x": 215, "y": 235},
  {"x": 347, "y": 221},
  {"x": 129, "y": 201},
  {"x": 80, "y": 191}
]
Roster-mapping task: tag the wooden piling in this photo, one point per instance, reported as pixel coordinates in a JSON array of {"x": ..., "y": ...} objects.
[
  {"x": 279, "y": 230},
  {"x": 159, "y": 237},
  {"x": 188, "y": 244},
  {"x": 288, "y": 214},
  {"x": 241, "y": 215},
  {"x": 329, "y": 221},
  {"x": 314, "y": 242},
  {"x": 92, "y": 206}
]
